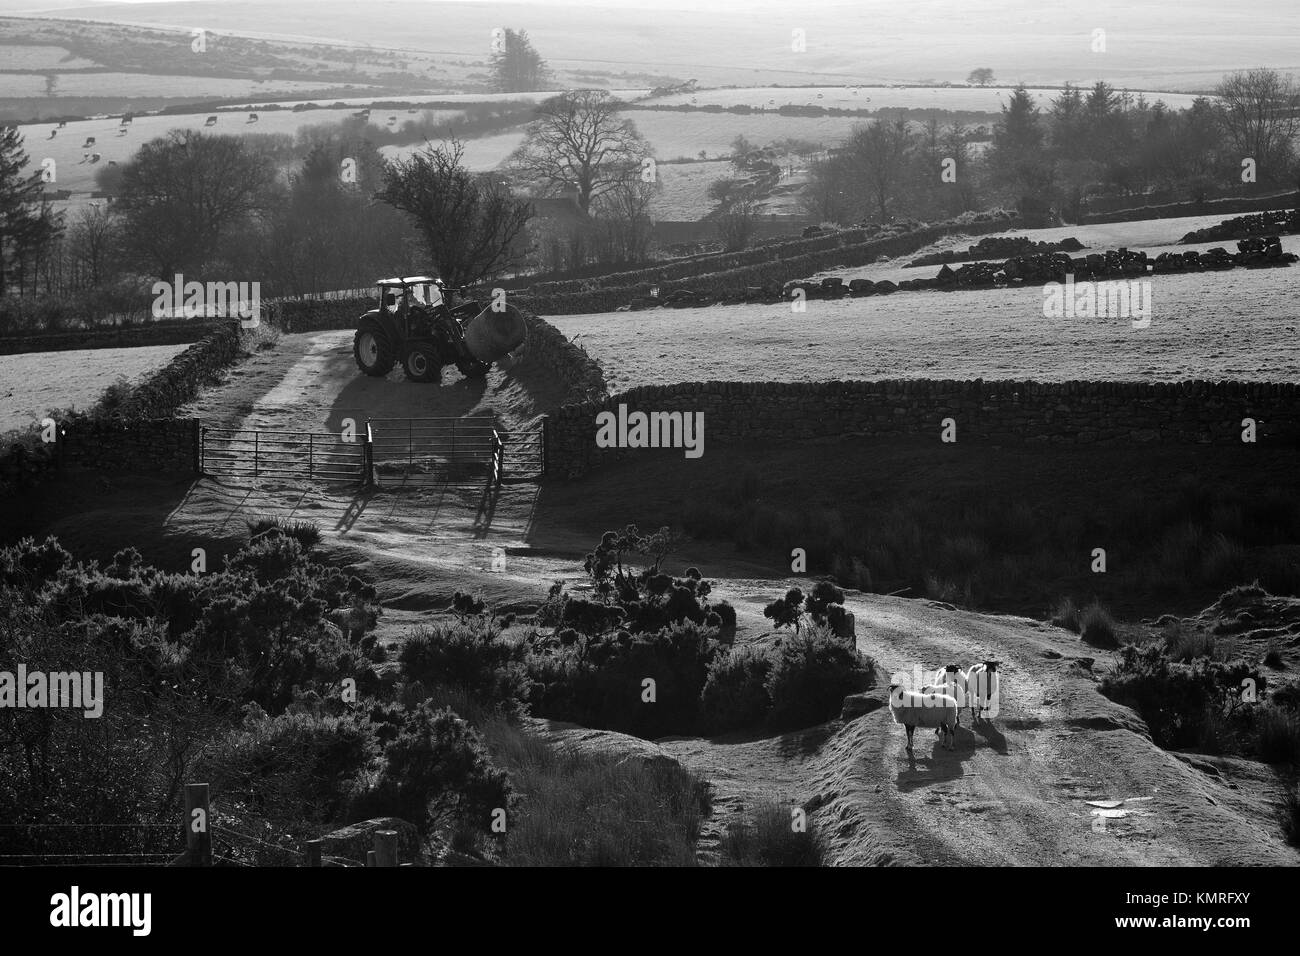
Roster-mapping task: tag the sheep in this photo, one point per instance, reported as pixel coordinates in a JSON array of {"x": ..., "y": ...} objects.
[
  {"x": 915, "y": 709},
  {"x": 951, "y": 680},
  {"x": 982, "y": 686}
]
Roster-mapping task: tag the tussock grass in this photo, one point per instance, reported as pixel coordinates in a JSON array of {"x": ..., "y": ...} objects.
[
  {"x": 1066, "y": 615},
  {"x": 1097, "y": 627},
  {"x": 306, "y": 533},
  {"x": 1185, "y": 645},
  {"x": 767, "y": 838},
  {"x": 584, "y": 810},
  {"x": 1276, "y": 735},
  {"x": 1273, "y": 655}
]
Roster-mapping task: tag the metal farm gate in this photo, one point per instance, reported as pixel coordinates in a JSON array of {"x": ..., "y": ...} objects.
[
  {"x": 410, "y": 451},
  {"x": 388, "y": 452},
  {"x": 268, "y": 453}
]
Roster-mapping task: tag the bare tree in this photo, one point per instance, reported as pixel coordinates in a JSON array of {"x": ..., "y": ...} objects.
[
  {"x": 1260, "y": 112},
  {"x": 737, "y": 212},
  {"x": 580, "y": 140},
  {"x": 981, "y": 76},
  {"x": 469, "y": 222},
  {"x": 94, "y": 242},
  {"x": 878, "y": 153},
  {"x": 624, "y": 217}
]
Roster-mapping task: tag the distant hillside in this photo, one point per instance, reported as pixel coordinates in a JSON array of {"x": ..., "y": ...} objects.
[{"x": 1183, "y": 45}]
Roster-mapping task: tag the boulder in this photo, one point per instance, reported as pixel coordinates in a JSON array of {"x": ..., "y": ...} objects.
[
  {"x": 856, "y": 705},
  {"x": 600, "y": 743}
]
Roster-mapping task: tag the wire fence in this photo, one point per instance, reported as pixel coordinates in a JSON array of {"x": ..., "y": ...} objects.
[{"x": 197, "y": 841}]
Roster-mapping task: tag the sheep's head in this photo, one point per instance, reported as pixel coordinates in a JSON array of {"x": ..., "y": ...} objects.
[{"x": 991, "y": 666}]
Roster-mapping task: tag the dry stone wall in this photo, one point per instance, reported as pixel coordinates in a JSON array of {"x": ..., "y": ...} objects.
[
  {"x": 162, "y": 446},
  {"x": 1196, "y": 412},
  {"x": 140, "y": 435}
]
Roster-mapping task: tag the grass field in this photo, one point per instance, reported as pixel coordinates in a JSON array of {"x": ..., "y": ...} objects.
[
  {"x": 33, "y": 383},
  {"x": 23, "y": 57},
  {"x": 1229, "y": 325},
  {"x": 684, "y": 134},
  {"x": 146, "y": 84},
  {"x": 68, "y": 152},
  {"x": 449, "y": 98},
  {"x": 683, "y": 196},
  {"x": 986, "y": 99}
]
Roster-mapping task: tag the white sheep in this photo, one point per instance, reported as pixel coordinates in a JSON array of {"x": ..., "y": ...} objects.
[
  {"x": 982, "y": 688},
  {"x": 951, "y": 680},
  {"x": 915, "y": 709}
]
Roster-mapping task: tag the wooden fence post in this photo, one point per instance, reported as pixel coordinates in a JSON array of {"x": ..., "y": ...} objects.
[
  {"x": 314, "y": 852},
  {"x": 198, "y": 824},
  {"x": 371, "y": 859},
  {"x": 385, "y": 850}
]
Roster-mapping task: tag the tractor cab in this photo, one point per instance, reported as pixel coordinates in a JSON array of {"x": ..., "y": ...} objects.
[
  {"x": 396, "y": 296},
  {"x": 416, "y": 324}
]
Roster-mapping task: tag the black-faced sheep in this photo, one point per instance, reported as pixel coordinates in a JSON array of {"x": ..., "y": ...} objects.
[
  {"x": 915, "y": 709},
  {"x": 982, "y": 688}
]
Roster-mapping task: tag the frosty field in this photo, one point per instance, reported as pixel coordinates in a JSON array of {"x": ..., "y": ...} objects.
[{"x": 33, "y": 383}]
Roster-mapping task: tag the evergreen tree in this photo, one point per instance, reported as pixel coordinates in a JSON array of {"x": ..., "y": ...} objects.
[
  {"x": 23, "y": 223},
  {"x": 516, "y": 66}
]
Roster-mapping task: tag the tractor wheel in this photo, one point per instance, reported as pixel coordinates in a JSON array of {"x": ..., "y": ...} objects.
[
  {"x": 371, "y": 349},
  {"x": 473, "y": 368},
  {"x": 422, "y": 364}
]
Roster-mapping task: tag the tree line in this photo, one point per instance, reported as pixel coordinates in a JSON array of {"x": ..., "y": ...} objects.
[
  {"x": 1094, "y": 142},
  {"x": 327, "y": 210}
]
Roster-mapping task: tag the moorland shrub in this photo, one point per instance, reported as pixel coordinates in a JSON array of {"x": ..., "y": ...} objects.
[
  {"x": 599, "y": 680},
  {"x": 766, "y": 838},
  {"x": 735, "y": 692},
  {"x": 438, "y": 775},
  {"x": 811, "y": 674},
  {"x": 1174, "y": 698},
  {"x": 1097, "y": 627},
  {"x": 581, "y": 809},
  {"x": 472, "y": 657}
]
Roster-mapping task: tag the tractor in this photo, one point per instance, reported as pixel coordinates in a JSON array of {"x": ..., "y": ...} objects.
[{"x": 417, "y": 324}]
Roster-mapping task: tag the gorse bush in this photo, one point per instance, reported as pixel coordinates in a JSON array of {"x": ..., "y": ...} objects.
[
  {"x": 438, "y": 775},
  {"x": 232, "y": 676},
  {"x": 601, "y": 681},
  {"x": 811, "y": 674},
  {"x": 473, "y": 657},
  {"x": 1174, "y": 698},
  {"x": 304, "y": 766},
  {"x": 735, "y": 692}
]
